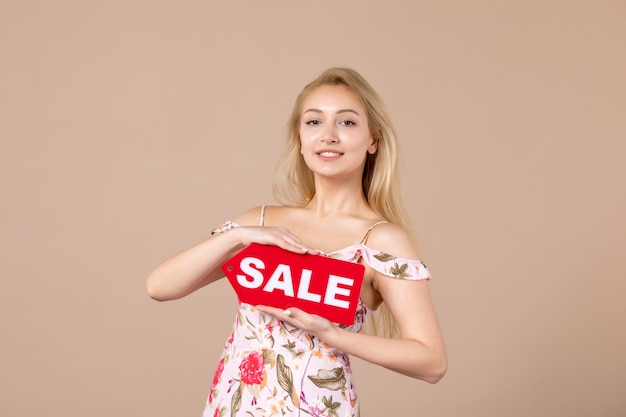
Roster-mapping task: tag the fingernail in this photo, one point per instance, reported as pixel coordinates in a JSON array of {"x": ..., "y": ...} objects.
[{"x": 287, "y": 313}]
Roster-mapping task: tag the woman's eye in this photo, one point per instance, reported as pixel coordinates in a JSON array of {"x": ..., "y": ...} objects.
[
  {"x": 347, "y": 123},
  {"x": 313, "y": 122}
]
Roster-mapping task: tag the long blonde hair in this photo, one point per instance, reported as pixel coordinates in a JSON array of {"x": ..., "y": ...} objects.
[{"x": 294, "y": 183}]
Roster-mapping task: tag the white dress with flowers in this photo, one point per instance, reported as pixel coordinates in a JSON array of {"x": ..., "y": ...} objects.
[{"x": 269, "y": 368}]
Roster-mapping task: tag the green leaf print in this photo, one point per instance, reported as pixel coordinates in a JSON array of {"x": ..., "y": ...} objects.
[
  {"x": 399, "y": 271},
  {"x": 252, "y": 325},
  {"x": 269, "y": 356},
  {"x": 291, "y": 347},
  {"x": 254, "y": 389},
  {"x": 235, "y": 402},
  {"x": 331, "y": 407},
  {"x": 333, "y": 379},
  {"x": 282, "y": 331},
  {"x": 285, "y": 379},
  {"x": 384, "y": 257}
]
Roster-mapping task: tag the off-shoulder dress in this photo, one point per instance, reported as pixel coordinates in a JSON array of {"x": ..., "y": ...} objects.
[{"x": 269, "y": 368}]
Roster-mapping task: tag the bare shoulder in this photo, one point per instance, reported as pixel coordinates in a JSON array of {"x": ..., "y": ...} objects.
[
  {"x": 394, "y": 240},
  {"x": 250, "y": 217},
  {"x": 279, "y": 215}
]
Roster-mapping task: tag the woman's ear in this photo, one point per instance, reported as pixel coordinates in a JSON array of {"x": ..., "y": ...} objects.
[{"x": 373, "y": 147}]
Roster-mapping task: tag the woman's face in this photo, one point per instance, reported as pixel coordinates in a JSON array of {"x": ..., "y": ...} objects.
[{"x": 334, "y": 134}]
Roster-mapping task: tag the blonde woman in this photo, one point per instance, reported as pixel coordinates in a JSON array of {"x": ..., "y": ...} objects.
[{"x": 338, "y": 185}]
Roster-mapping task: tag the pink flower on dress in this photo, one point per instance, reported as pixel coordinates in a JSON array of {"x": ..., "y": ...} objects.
[
  {"x": 217, "y": 413},
  {"x": 317, "y": 410},
  {"x": 251, "y": 368},
  {"x": 216, "y": 378}
]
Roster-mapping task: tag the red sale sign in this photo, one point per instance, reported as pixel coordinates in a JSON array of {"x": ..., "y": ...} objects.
[{"x": 269, "y": 275}]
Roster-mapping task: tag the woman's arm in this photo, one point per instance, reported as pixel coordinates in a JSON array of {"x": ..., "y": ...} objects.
[
  {"x": 193, "y": 268},
  {"x": 199, "y": 265},
  {"x": 420, "y": 351}
]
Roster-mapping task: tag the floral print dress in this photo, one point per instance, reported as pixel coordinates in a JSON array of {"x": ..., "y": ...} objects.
[{"x": 269, "y": 368}]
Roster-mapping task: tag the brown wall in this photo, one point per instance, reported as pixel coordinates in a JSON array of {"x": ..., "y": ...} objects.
[{"x": 130, "y": 128}]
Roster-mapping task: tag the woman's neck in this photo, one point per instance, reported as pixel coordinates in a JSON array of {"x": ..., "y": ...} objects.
[{"x": 334, "y": 198}]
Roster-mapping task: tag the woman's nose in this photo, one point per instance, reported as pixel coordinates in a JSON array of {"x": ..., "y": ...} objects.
[{"x": 330, "y": 134}]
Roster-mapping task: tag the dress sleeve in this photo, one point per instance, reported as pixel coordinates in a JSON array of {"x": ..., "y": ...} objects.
[{"x": 394, "y": 267}]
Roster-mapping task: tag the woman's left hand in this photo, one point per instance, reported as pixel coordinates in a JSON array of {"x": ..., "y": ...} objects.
[{"x": 311, "y": 323}]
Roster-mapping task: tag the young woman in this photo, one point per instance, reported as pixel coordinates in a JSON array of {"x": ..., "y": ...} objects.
[{"x": 339, "y": 185}]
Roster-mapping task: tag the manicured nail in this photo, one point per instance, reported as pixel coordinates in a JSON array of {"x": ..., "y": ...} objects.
[{"x": 287, "y": 313}]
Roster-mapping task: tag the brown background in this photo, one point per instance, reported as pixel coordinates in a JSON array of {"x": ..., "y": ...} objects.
[{"x": 130, "y": 128}]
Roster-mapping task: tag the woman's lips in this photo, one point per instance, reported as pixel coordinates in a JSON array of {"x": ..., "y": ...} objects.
[{"x": 329, "y": 154}]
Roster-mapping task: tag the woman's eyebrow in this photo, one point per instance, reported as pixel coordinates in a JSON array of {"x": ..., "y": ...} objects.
[{"x": 338, "y": 111}]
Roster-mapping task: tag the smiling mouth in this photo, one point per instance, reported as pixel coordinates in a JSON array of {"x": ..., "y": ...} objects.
[{"x": 329, "y": 153}]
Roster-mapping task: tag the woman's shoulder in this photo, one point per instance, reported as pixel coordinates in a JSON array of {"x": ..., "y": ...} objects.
[
  {"x": 249, "y": 217},
  {"x": 255, "y": 216},
  {"x": 391, "y": 238}
]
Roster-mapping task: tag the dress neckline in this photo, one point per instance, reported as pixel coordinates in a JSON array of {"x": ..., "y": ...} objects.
[{"x": 347, "y": 248}]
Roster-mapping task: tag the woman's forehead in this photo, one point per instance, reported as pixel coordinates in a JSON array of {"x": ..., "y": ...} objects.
[{"x": 332, "y": 98}]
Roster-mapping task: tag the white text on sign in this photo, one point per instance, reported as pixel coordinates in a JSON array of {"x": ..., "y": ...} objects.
[{"x": 281, "y": 279}]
